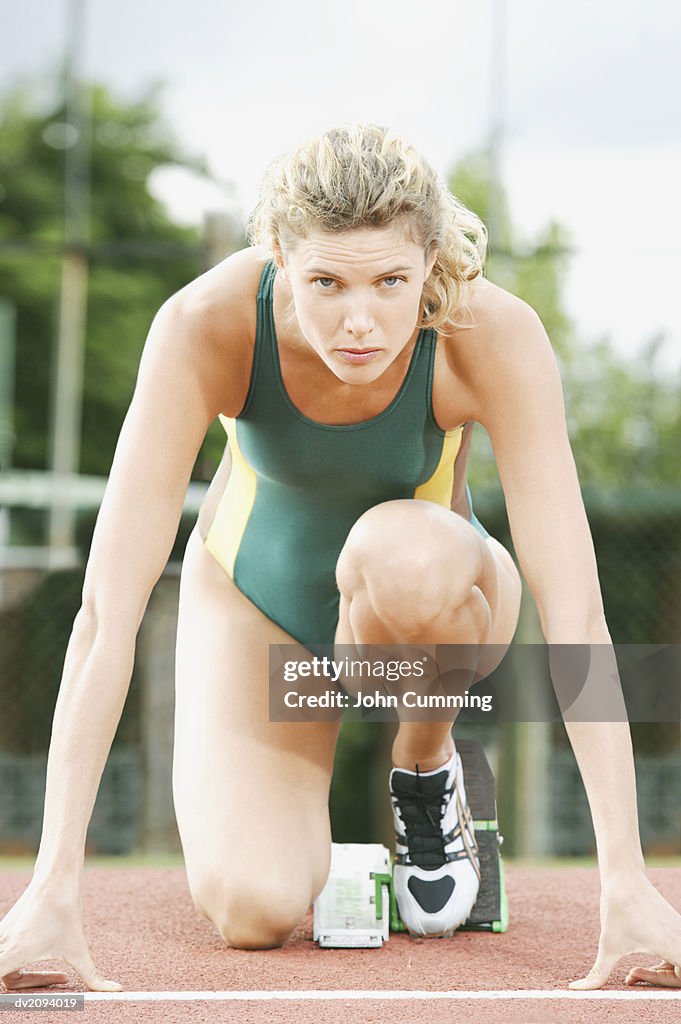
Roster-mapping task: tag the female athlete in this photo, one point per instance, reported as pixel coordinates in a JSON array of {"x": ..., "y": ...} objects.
[{"x": 348, "y": 353}]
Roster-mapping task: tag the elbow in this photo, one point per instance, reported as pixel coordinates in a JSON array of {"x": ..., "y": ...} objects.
[
  {"x": 597, "y": 630},
  {"x": 100, "y": 615},
  {"x": 585, "y": 624},
  {"x": 85, "y": 622}
]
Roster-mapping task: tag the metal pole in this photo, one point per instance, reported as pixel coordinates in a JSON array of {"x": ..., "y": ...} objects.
[
  {"x": 7, "y": 361},
  {"x": 67, "y": 380},
  {"x": 7, "y": 435},
  {"x": 497, "y": 118}
]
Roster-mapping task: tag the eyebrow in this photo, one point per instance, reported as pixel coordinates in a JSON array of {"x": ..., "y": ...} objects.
[{"x": 324, "y": 271}]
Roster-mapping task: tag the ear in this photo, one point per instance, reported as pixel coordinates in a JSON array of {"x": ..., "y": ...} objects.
[
  {"x": 431, "y": 257},
  {"x": 279, "y": 260}
]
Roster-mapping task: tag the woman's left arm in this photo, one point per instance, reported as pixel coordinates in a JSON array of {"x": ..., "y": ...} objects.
[{"x": 521, "y": 406}]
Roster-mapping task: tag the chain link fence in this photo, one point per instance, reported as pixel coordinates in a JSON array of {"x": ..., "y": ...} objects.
[{"x": 638, "y": 544}]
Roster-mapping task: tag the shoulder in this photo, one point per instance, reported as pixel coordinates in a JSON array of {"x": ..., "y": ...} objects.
[
  {"x": 498, "y": 343},
  {"x": 492, "y": 316},
  {"x": 224, "y": 297},
  {"x": 212, "y": 320}
]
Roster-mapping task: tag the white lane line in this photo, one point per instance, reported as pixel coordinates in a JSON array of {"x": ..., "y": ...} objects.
[{"x": 321, "y": 995}]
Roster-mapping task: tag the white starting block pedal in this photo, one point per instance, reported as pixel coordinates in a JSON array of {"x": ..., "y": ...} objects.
[{"x": 353, "y": 908}]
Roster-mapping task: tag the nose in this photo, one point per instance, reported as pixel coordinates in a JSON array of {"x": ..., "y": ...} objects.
[{"x": 358, "y": 320}]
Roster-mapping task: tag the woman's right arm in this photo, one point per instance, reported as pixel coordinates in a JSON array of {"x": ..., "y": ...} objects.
[
  {"x": 180, "y": 389},
  {"x": 171, "y": 409}
]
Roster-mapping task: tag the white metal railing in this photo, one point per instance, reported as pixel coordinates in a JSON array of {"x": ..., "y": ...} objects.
[{"x": 41, "y": 489}]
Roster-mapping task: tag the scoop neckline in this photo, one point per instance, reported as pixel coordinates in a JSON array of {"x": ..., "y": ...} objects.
[{"x": 335, "y": 426}]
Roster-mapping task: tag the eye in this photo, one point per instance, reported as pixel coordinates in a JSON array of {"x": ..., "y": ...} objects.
[
  {"x": 324, "y": 283},
  {"x": 392, "y": 281}
]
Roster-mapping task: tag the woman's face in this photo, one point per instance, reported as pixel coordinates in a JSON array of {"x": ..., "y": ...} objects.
[{"x": 357, "y": 296}]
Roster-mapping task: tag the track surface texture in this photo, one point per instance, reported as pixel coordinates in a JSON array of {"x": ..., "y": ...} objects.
[{"x": 144, "y": 931}]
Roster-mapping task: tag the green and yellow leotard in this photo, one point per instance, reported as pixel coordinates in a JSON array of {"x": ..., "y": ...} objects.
[{"x": 297, "y": 486}]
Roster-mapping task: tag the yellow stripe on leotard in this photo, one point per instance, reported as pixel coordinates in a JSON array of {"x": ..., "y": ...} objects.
[
  {"x": 232, "y": 514},
  {"x": 439, "y": 487}
]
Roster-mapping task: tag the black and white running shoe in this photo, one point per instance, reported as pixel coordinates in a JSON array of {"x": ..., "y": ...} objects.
[{"x": 436, "y": 874}]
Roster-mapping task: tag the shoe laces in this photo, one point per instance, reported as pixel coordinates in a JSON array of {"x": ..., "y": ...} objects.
[{"x": 421, "y": 813}]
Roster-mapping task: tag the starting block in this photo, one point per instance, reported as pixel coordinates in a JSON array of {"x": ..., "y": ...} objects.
[
  {"x": 357, "y": 907},
  {"x": 353, "y": 908}
]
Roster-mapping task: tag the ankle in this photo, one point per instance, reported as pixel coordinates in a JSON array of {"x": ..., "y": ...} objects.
[{"x": 409, "y": 759}]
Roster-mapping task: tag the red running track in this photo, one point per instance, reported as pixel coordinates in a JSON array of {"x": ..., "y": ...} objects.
[{"x": 144, "y": 931}]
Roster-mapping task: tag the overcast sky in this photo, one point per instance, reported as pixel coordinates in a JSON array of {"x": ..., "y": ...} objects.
[{"x": 592, "y": 127}]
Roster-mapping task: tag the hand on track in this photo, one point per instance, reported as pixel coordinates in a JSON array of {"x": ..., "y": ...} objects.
[
  {"x": 636, "y": 918},
  {"x": 664, "y": 973},
  {"x": 44, "y": 927}
]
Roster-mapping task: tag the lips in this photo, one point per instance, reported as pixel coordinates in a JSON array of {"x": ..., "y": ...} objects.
[{"x": 358, "y": 355}]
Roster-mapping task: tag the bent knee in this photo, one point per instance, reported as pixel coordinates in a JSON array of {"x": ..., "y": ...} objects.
[
  {"x": 258, "y": 917},
  {"x": 409, "y": 553}
]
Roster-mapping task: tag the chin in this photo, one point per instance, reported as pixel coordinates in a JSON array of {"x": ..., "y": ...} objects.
[{"x": 358, "y": 374}]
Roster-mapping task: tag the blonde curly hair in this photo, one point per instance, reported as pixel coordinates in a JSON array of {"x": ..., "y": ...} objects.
[{"x": 367, "y": 176}]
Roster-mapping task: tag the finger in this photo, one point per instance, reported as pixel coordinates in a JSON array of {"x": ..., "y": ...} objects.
[
  {"x": 662, "y": 965},
  {"x": 662, "y": 974},
  {"x": 95, "y": 981},
  {"x": 9, "y": 967},
  {"x": 599, "y": 973},
  {"x": 34, "y": 979}
]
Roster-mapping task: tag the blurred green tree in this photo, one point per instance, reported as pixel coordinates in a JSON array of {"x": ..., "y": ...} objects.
[
  {"x": 624, "y": 414},
  {"x": 532, "y": 268},
  {"x": 137, "y": 255},
  {"x": 625, "y": 418}
]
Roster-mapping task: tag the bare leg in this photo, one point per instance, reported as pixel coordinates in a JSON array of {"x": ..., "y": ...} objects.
[
  {"x": 251, "y": 796},
  {"x": 414, "y": 572}
]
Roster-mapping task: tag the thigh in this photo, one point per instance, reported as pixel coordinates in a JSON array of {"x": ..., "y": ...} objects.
[{"x": 241, "y": 783}]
